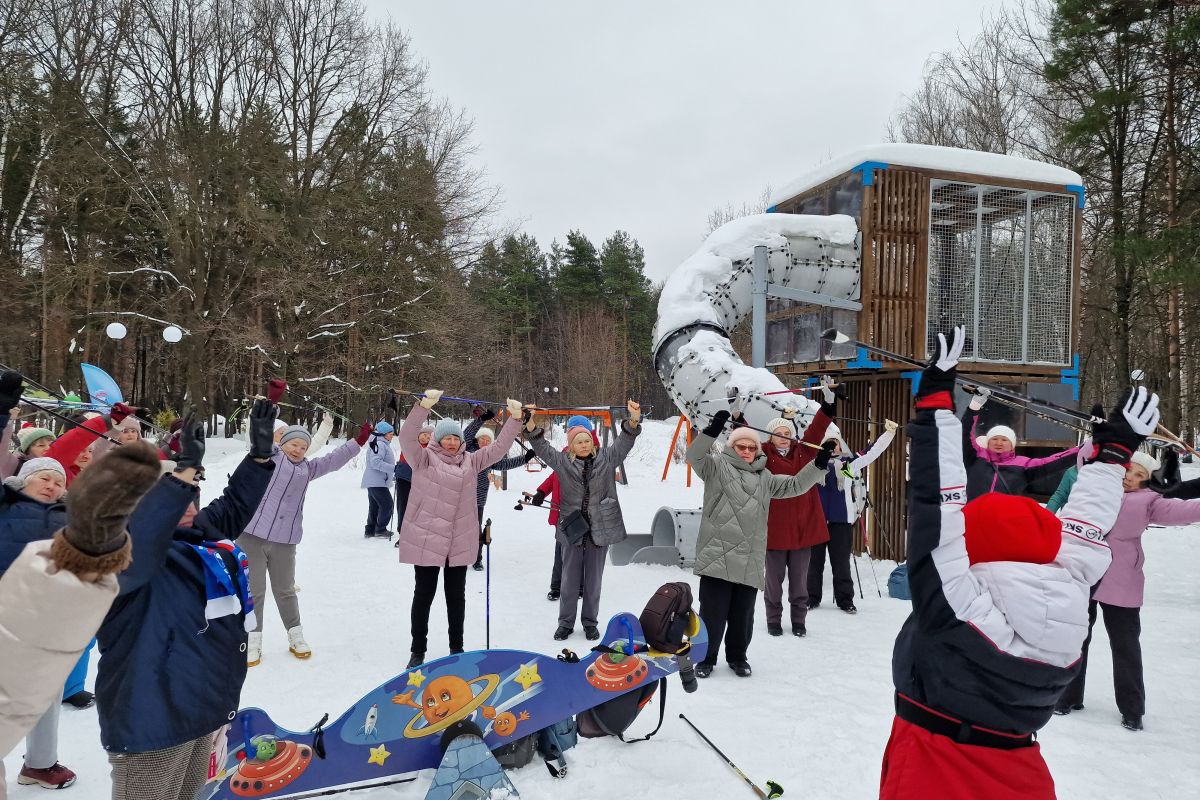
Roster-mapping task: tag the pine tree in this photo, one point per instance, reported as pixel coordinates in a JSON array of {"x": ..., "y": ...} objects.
[{"x": 580, "y": 280}]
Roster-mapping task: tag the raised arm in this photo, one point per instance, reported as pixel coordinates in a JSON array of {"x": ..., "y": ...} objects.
[
  {"x": 228, "y": 515},
  {"x": 68, "y": 447},
  {"x": 873, "y": 452},
  {"x": 487, "y": 456},
  {"x": 814, "y": 434},
  {"x": 472, "y": 431},
  {"x": 1059, "y": 498},
  {"x": 699, "y": 453},
  {"x": 971, "y": 450},
  {"x": 410, "y": 444},
  {"x": 321, "y": 437},
  {"x": 551, "y": 457},
  {"x": 1052, "y": 464},
  {"x": 9, "y": 464},
  {"x": 334, "y": 460},
  {"x": 151, "y": 527},
  {"x": 783, "y": 486},
  {"x": 1171, "y": 512}
]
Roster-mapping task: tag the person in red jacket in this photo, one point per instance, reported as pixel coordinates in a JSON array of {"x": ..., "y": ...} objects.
[
  {"x": 70, "y": 448},
  {"x": 794, "y": 524}
]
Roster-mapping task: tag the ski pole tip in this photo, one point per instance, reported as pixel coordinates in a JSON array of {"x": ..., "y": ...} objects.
[
  {"x": 774, "y": 789},
  {"x": 834, "y": 335}
]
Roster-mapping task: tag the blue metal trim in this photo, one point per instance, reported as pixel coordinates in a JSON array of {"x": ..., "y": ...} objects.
[
  {"x": 1070, "y": 377},
  {"x": 1077, "y": 190},
  {"x": 915, "y": 377},
  {"x": 867, "y": 169},
  {"x": 771, "y": 209},
  {"x": 811, "y": 382},
  {"x": 863, "y": 361}
]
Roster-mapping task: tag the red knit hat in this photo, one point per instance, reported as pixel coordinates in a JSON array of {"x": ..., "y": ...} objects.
[{"x": 1003, "y": 527}]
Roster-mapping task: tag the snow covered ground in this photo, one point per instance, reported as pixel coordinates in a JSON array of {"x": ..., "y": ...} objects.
[{"x": 815, "y": 716}]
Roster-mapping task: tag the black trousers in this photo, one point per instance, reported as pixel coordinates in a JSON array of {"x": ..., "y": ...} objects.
[
  {"x": 403, "y": 488},
  {"x": 556, "y": 570},
  {"x": 727, "y": 609},
  {"x": 379, "y": 509},
  {"x": 455, "y": 587},
  {"x": 479, "y": 515},
  {"x": 1124, "y": 626},
  {"x": 841, "y": 535}
]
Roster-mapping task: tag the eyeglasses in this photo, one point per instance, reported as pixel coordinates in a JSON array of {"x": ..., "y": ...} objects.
[{"x": 745, "y": 448}]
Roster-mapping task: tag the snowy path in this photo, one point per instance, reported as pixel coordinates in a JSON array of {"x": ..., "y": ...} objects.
[{"x": 814, "y": 717}]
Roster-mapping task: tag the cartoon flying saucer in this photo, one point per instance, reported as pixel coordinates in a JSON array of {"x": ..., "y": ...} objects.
[
  {"x": 445, "y": 701},
  {"x": 614, "y": 672},
  {"x": 268, "y": 766}
]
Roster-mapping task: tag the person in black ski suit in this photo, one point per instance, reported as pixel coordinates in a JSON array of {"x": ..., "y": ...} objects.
[{"x": 1000, "y": 591}]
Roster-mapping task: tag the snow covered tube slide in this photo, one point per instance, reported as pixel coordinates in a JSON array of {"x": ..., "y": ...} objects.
[{"x": 705, "y": 298}]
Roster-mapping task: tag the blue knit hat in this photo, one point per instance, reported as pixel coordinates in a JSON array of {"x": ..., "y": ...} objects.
[
  {"x": 579, "y": 421},
  {"x": 446, "y": 427},
  {"x": 383, "y": 428}
]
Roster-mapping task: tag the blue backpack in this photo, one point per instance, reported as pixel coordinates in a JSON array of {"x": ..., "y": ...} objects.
[
  {"x": 552, "y": 742},
  {"x": 898, "y": 583}
]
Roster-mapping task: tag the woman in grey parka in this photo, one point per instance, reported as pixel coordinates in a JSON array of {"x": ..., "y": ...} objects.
[
  {"x": 586, "y": 478},
  {"x": 731, "y": 551}
]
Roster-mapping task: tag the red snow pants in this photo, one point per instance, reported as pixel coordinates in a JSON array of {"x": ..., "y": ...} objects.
[{"x": 919, "y": 765}]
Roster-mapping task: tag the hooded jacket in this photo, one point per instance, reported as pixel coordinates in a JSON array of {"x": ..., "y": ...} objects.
[
  {"x": 732, "y": 543},
  {"x": 167, "y": 674},
  {"x": 280, "y": 515},
  {"x": 604, "y": 510},
  {"x": 1124, "y": 583},
  {"x": 1007, "y": 473},
  {"x": 441, "y": 524},
  {"x": 993, "y": 644},
  {"x": 47, "y": 619},
  {"x": 380, "y": 469},
  {"x": 838, "y": 498},
  {"x": 797, "y": 522},
  {"x": 68, "y": 447}
]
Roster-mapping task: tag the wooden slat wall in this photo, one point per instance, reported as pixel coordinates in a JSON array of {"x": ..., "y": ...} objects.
[{"x": 898, "y": 241}]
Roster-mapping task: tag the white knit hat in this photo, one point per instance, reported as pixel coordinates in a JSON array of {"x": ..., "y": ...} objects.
[
  {"x": 488, "y": 432},
  {"x": 1146, "y": 461},
  {"x": 280, "y": 424},
  {"x": 780, "y": 422},
  {"x": 1002, "y": 430},
  {"x": 31, "y": 466}
]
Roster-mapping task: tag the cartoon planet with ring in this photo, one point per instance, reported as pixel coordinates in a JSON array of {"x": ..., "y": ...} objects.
[{"x": 447, "y": 700}]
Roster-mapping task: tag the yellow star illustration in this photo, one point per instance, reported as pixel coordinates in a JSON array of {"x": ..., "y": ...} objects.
[
  {"x": 416, "y": 678},
  {"x": 527, "y": 676},
  {"x": 378, "y": 755}
]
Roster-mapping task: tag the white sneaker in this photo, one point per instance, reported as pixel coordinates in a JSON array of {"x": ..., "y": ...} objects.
[
  {"x": 296, "y": 643},
  {"x": 254, "y": 649}
]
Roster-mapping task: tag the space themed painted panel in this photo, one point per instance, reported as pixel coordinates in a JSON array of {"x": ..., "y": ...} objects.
[{"x": 396, "y": 728}]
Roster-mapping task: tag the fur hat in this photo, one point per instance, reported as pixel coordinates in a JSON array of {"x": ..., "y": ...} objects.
[
  {"x": 1145, "y": 461},
  {"x": 780, "y": 422},
  {"x": 28, "y": 437},
  {"x": 485, "y": 431},
  {"x": 295, "y": 432},
  {"x": 446, "y": 427},
  {"x": 1003, "y": 527},
  {"x": 1001, "y": 430},
  {"x": 31, "y": 466},
  {"x": 580, "y": 421},
  {"x": 743, "y": 434},
  {"x": 383, "y": 428}
]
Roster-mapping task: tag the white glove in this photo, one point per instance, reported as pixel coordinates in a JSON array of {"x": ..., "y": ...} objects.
[
  {"x": 948, "y": 355},
  {"x": 431, "y": 397},
  {"x": 827, "y": 385},
  {"x": 1141, "y": 412},
  {"x": 515, "y": 408},
  {"x": 890, "y": 426},
  {"x": 982, "y": 393},
  {"x": 789, "y": 413},
  {"x": 635, "y": 412}
]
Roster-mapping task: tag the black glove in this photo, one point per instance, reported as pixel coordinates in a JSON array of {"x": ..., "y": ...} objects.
[
  {"x": 262, "y": 428},
  {"x": 738, "y": 419},
  {"x": 487, "y": 414},
  {"x": 823, "y": 457},
  {"x": 538, "y": 498},
  {"x": 530, "y": 456},
  {"x": 717, "y": 425},
  {"x": 11, "y": 384},
  {"x": 1166, "y": 477},
  {"x": 1126, "y": 427},
  {"x": 939, "y": 375},
  {"x": 191, "y": 443}
]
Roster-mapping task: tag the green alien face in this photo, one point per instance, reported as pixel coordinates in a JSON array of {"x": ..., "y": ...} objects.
[{"x": 265, "y": 747}]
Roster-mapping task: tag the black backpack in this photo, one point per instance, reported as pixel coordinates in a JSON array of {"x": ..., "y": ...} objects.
[
  {"x": 666, "y": 617},
  {"x": 614, "y": 717}
]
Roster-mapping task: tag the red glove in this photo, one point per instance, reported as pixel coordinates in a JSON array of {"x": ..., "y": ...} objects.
[
  {"x": 364, "y": 433},
  {"x": 275, "y": 389},
  {"x": 119, "y": 412}
]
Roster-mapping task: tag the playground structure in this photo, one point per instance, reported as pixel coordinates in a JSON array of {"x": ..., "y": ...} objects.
[{"x": 890, "y": 245}]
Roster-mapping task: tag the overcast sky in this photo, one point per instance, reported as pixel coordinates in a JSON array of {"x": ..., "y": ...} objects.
[{"x": 645, "y": 115}]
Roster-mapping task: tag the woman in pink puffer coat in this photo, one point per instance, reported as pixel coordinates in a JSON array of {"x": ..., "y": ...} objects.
[
  {"x": 1119, "y": 594},
  {"x": 441, "y": 526}
]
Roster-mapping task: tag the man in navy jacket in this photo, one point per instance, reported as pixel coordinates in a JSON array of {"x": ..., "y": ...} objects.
[{"x": 174, "y": 643}]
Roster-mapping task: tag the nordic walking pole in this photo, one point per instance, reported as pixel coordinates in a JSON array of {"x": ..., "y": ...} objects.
[
  {"x": 53, "y": 393},
  {"x": 867, "y": 544},
  {"x": 773, "y": 788},
  {"x": 487, "y": 582},
  {"x": 858, "y": 575}
]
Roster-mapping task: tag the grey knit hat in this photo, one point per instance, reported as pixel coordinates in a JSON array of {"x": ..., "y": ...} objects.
[{"x": 295, "y": 432}]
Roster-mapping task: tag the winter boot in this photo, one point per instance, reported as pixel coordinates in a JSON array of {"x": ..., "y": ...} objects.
[
  {"x": 415, "y": 660},
  {"x": 1062, "y": 709},
  {"x": 52, "y": 777},
  {"x": 562, "y": 633},
  {"x": 1131, "y": 722},
  {"x": 296, "y": 643},
  {"x": 740, "y": 668},
  {"x": 455, "y": 651},
  {"x": 849, "y": 608},
  {"x": 703, "y": 669},
  {"x": 478, "y": 566},
  {"x": 775, "y": 629},
  {"x": 80, "y": 700},
  {"x": 811, "y": 604},
  {"x": 552, "y": 595},
  {"x": 254, "y": 649},
  {"x": 799, "y": 630},
  {"x": 591, "y": 632}
]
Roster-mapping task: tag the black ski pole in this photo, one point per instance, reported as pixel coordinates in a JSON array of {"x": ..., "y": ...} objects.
[
  {"x": 59, "y": 395},
  {"x": 71, "y": 422},
  {"x": 773, "y": 788},
  {"x": 867, "y": 543},
  {"x": 487, "y": 582}
]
